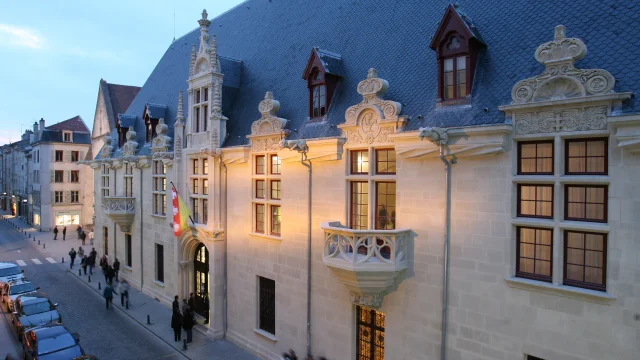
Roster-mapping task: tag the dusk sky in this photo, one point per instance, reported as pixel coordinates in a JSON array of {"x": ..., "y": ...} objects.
[{"x": 53, "y": 53}]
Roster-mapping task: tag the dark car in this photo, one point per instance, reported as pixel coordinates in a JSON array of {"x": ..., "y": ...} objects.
[
  {"x": 8, "y": 272},
  {"x": 51, "y": 342},
  {"x": 31, "y": 311}
]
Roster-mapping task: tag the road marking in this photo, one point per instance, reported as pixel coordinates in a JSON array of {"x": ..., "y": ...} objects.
[
  {"x": 51, "y": 260},
  {"x": 36, "y": 261},
  {"x": 21, "y": 263}
]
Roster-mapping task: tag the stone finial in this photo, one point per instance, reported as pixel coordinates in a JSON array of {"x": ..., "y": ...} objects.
[
  {"x": 269, "y": 106},
  {"x": 217, "y": 98},
  {"x": 372, "y": 73},
  {"x": 213, "y": 54},
  {"x": 204, "y": 22},
  {"x": 561, "y": 48},
  {"x": 161, "y": 128},
  {"x": 559, "y": 33},
  {"x": 192, "y": 62},
  {"x": 131, "y": 134},
  {"x": 372, "y": 86},
  {"x": 180, "y": 111}
]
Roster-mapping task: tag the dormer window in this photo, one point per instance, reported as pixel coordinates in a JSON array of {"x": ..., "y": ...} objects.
[
  {"x": 322, "y": 75},
  {"x": 150, "y": 125},
  {"x": 67, "y": 136},
  {"x": 457, "y": 44}
]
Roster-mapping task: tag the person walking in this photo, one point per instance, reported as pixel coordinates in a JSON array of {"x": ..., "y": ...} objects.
[
  {"x": 108, "y": 294},
  {"x": 205, "y": 304},
  {"x": 176, "y": 325},
  {"x": 80, "y": 252},
  {"x": 108, "y": 274},
  {"x": 92, "y": 260},
  {"x": 64, "y": 233},
  {"x": 185, "y": 307},
  {"x": 83, "y": 237},
  {"x": 79, "y": 231},
  {"x": 72, "y": 255},
  {"x": 124, "y": 293},
  {"x": 176, "y": 304},
  {"x": 91, "y": 237},
  {"x": 55, "y": 233},
  {"x": 83, "y": 263},
  {"x": 187, "y": 323},
  {"x": 116, "y": 268},
  {"x": 192, "y": 301}
]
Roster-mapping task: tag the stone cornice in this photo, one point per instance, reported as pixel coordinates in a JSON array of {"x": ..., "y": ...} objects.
[
  {"x": 236, "y": 154},
  {"x": 323, "y": 149},
  {"x": 591, "y": 100},
  {"x": 627, "y": 130}
]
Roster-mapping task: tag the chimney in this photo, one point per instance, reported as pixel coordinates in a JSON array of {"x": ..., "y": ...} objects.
[
  {"x": 41, "y": 124},
  {"x": 35, "y": 127}
]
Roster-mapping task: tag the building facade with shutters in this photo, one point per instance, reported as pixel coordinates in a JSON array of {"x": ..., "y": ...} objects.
[{"x": 359, "y": 189}]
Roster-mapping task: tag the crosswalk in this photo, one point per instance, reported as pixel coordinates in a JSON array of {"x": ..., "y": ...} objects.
[{"x": 36, "y": 261}]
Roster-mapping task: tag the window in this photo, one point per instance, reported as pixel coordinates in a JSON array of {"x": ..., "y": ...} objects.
[
  {"x": 75, "y": 176},
  {"x": 455, "y": 73},
  {"x": 59, "y": 176},
  {"x": 275, "y": 164},
  {"x": 204, "y": 117},
  {"x": 267, "y": 193},
  {"x": 260, "y": 165},
  {"x": 105, "y": 180},
  {"x": 260, "y": 218},
  {"x": 321, "y": 81},
  {"x": 535, "y": 201},
  {"x": 206, "y": 94},
  {"x": 534, "y": 253},
  {"x": 370, "y": 334},
  {"x": 260, "y": 189},
  {"x": 359, "y": 205},
  {"x": 197, "y": 119},
  {"x": 586, "y": 203},
  {"x": 200, "y": 110},
  {"x": 75, "y": 197},
  {"x": 105, "y": 238},
  {"x": 196, "y": 98},
  {"x": 195, "y": 163},
  {"x": 585, "y": 255},
  {"x": 205, "y": 167},
  {"x": 58, "y": 197},
  {"x": 195, "y": 209},
  {"x": 385, "y": 205},
  {"x": 75, "y": 156},
  {"x": 198, "y": 194},
  {"x": 275, "y": 190},
  {"x": 205, "y": 211},
  {"x": 267, "y": 305},
  {"x": 159, "y": 188},
  {"x": 128, "y": 180},
  {"x": 194, "y": 186},
  {"x": 59, "y": 156},
  {"x": 275, "y": 220},
  {"x": 128, "y": 258},
  {"x": 205, "y": 187},
  {"x": 586, "y": 156},
  {"x": 66, "y": 136},
  {"x": 385, "y": 161},
  {"x": 319, "y": 100},
  {"x": 159, "y": 263},
  {"x": 359, "y": 161},
  {"x": 535, "y": 157}
]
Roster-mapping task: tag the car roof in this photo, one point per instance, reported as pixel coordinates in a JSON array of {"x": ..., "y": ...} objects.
[
  {"x": 32, "y": 299},
  {"x": 19, "y": 281},
  {"x": 5, "y": 265},
  {"x": 49, "y": 331}
]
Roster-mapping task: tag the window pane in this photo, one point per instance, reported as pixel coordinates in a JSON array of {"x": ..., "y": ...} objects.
[
  {"x": 535, "y": 253},
  {"x": 587, "y": 156},
  {"x": 461, "y": 76},
  {"x": 205, "y": 186},
  {"x": 360, "y": 161},
  {"x": 385, "y": 161},
  {"x": 535, "y": 158},
  {"x": 323, "y": 101},
  {"x": 585, "y": 260},
  {"x": 260, "y": 189},
  {"x": 260, "y": 218},
  {"x": 535, "y": 200},
  {"x": 359, "y": 205},
  {"x": 260, "y": 165},
  {"x": 275, "y": 220},
  {"x": 275, "y": 189},
  {"x": 194, "y": 168},
  {"x": 448, "y": 79},
  {"x": 205, "y": 166},
  {"x": 316, "y": 104},
  {"x": 275, "y": 164},
  {"x": 385, "y": 206},
  {"x": 448, "y": 65},
  {"x": 586, "y": 203}
]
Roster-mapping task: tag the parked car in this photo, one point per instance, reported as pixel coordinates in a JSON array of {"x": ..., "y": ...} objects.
[
  {"x": 12, "y": 289},
  {"x": 33, "y": 310},
  {"x": 51, "y": 342},
  {"x": 8, "y": 272}
]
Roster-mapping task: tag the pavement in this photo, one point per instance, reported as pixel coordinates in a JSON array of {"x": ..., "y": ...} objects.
[{"x": 145, "y": 311}]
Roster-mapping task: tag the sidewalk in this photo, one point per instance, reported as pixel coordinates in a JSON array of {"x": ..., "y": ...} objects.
[{"x": 141, "y": 306}]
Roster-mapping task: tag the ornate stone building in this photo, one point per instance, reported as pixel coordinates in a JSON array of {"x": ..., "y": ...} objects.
[{"x": 442, "y": 183}]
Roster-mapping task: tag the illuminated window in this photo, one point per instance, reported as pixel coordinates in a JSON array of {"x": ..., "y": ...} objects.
[
  {"x": 534, "y": 249},
  {"x": 159, "y": 188},
  {"x": 360, "y": 161},
  {"x": 266, "y": 195},
  {"x": 199, "y": 189},
  {"x": 586, "y": 156},
  {"x": 535, "y": 157}
]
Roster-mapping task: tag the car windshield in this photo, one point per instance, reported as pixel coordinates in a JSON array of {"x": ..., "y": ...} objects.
[
  {"x": 55, "y": 343},
  {"x": 36, "y": 308},
  {"x": 14, "y": 270},
  {"x": 20, "y": 288}
]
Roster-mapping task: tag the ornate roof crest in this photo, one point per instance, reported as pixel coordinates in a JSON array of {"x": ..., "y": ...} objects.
[
  {"x": 267, "y": 131},
  {"x": 131, "y": 146},
  {"x": 161, "y": 142}
]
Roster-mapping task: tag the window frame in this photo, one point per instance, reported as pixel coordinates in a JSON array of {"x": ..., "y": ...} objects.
[
  {"x": 266, "y": 203},
  {"x": 376, "y": 152},
  {"x": 585, "y": 186},
  {"x": 272, "y": 222},
  {"x": 198, "y": 200},
  {"x": 77, "y": 196},
  {"x": 536, "y": 142},
  {"x": 535, "y": 201},
  {"x": 60, "y": 179},
  {"x": 264, "y": 218},
  {"x": 128, "y": 256},
  {"x": 159, "y": 273},
  {"x": 270, "y": 325},
  {"x": 159, "y": 188},
  {"x": 389, "y": 217},
  {"x": 61, "y": 156},
  {"x": 76, "y": 155},
  {"x": 585, "y": 284},
  {"x": 534, "y": 276},
  {"x": 77, "y": 176},
  {"x": 264, "y": 164},
  {"x": 454, "y": 60},
  {"x": 271, "y": 189},
  {"x": 354, "y": 161},
  {"x": 567, "y": 141},
  {"x": 279, "y": 164}
]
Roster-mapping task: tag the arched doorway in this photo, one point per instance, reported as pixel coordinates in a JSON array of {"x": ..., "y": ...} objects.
[{"x": 201, "y": 280}]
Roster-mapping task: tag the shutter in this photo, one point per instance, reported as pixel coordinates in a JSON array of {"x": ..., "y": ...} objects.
[
  {"x": 53, "y": 197},
  {"x": 68, "y": 175},
  {"x": 53, "y": 155},
  {"x": 67, "y": 156},
  {"x": 53, "y": 176},
  {"x": 67, "y": 197},
  {"x": 81, "y": 156}
]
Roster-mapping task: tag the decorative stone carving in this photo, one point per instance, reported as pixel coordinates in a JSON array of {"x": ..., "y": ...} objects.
[
  {"x": 556, "y": 120},
  {"x": 268, "y": 131},
  {"x": 107, "y": 148},
  {"x": 161, "y": 142},
  {"x": 295, "y": 145},
  {"x": 436, "y": 135},
  {"x": 192, "y": 61},
  {"x": 178, "y": 128},
  {"x": 131, "y": 146},
  {"x": 561, "y": 79},
  {"x": 122, "y": 210},
  {"x": 373, "y": 119}
]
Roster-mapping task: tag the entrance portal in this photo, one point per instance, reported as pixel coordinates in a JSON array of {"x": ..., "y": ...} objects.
[{"x": 201, "y": 280}]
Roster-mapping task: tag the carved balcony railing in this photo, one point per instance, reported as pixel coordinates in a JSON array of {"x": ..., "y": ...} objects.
[
  {"x": 368, "y": 262},
  {"x": 120, "y": 209}
]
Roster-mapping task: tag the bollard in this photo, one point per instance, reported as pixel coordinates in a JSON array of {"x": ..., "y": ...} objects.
[
  {"x": 148, "y": 320},
  {"x": 44, "y": 246},
  {"x": 89, "y": 278},
  {"x": 38, "y": 242},
  {"x": 63, "y": 259},
  {"x": 184, "y": 344},
  {"x": 98, "y": 285},
  {"x": 79, "y": 272},
  {"x": 29, "y": 235}
]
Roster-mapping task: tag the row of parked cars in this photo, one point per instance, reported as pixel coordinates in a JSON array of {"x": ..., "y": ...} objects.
[{"x": 36, "y": 321}]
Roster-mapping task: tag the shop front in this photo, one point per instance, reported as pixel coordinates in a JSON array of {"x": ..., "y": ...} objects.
[{"x": 66, "y": 218}]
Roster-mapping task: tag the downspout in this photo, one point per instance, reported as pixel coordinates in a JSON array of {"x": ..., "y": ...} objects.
[
  {"x": 115, "y": 230},
  {"x": 141, "y": 234},
  {"x": 440, "y": 138},
  {"x": 224, "y": 229}
]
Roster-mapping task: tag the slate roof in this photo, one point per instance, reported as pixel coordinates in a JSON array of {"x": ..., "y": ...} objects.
[
  {"x": 273, "y": 40},
  {"x": 117, "y": 99},
  {"x": 73, "y": 124},
  {"x": 53, "y": 133}
]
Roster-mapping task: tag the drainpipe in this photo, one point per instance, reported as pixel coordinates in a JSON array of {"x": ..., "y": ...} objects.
[
  {"x": 439, "y": 137},
  {"x": 224, "y": 229},
  {"x": 141, "y": 234},
  {"x": 302, "y": 148}
]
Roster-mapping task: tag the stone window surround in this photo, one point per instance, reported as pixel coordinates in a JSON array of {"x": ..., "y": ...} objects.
[
  {"x": 128, "y": 180},
  {"x": 155, "y": 176},
  {"x": 105, "y": 178},
  {"x": 267, "y": 201},
  {"x": 201, "y": 198},
  {"x": 67, "y": 136},
  {"x": 203, "y": 105},
  {"x": 558, "y": 224}
]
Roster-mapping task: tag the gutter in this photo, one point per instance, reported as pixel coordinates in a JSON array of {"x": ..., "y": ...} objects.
[{"x": 224, "y": 228}]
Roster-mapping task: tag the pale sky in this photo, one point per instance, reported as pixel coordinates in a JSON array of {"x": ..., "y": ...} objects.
[{"x": 54, "y": 52}]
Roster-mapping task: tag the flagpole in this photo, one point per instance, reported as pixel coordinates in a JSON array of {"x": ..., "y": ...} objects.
[{"x": 176, "y": 190}]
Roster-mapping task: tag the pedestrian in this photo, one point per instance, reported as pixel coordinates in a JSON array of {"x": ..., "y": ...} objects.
[
  {"x": 80, "y": 252},
  {"x": 108, "y": 294},
  {"x": 192, "y": 301},
  {"x": 107, "y": 273},
  {"x": 187, "y": 323},
  {"x": 176, "y": 304},
  {"x": 83, "y": 237},
  {"x": 64, "y": 233},
  {"x": 93, "y": 252},
  {"x": 103, "y": 262},
  {"x": 72, "y": 255},
  {"x": 116, "y": 268},
  {"x": 176, "y": 325},
  {"x": 206, "y": 308},
  {"x": 92, "y": 260},
  {"x": 55, "y": 233},
  {"x": 124, "y": 293},
  {"x": 185, "y": 307},
  {"x": 91, "y": 237},
  {"x": 79, "y": 231},
  {"x": 84, "y": 262}
]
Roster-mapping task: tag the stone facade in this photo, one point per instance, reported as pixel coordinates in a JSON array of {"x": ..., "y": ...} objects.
[{"x": 492, "y": 313}]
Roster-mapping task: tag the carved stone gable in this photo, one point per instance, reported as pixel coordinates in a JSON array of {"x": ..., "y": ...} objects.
[
  {"x": 267, "y": 131},
  {"x": 561, "y": 79},
  {"x": 373, "y": 119}
]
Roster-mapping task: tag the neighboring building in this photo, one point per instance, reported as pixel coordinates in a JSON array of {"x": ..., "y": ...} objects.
[
  {"x": 16, "y": 164},
  {"x": 294, "y": 157}
]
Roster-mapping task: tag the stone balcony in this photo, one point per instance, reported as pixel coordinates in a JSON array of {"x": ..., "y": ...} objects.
[
  {"x": 373, "y": 269},
  {"x": 121, "y": 210}
]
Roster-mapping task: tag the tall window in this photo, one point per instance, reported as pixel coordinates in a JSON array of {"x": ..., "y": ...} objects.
[
  {"x": 200, "y": 109},
  {"x": 128, "y": 180},
  {"x": 59, "y": 176},
  {"x": 159, "y": 188},
  {"x": 455, "y": 75},
  {"x": 66, "y": 136},
  {"x": 75, "y": 196},
  {"x": 370, "y": 334},
  {"x": 75, "y": 156},
  {"x": 75, "y": 176},
  {"x": 59, "y": 156},
  {"x": 160, "y": 263},
  {"x": 319, "y": 94},
  {"x": 105, "y": 240},
  {"x": 58, "y": 197},
  {"x": 267, "y": 195},
  {"x": 584, "y": 253},
  {"x": 199, "y": 188},
  {"x": 128, "y": 258},
  {"x": 375, "y": 209},
  {"x": 105, "y": 180},
  {"x": 267, "y": 305}
]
